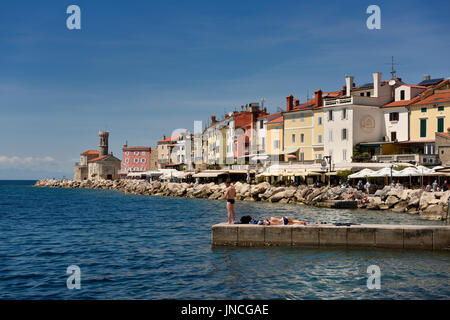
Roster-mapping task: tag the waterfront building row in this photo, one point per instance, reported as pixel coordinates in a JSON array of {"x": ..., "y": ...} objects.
[{"x": 381, "y": 121}]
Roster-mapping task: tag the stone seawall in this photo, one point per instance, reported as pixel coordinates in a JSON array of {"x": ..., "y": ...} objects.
[
  {"x": 429, "y": 205},
  {"x": 319, "y": 235}
]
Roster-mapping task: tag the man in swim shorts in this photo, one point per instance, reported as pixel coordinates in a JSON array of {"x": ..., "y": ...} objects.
[{"x": 230, "y": 194}]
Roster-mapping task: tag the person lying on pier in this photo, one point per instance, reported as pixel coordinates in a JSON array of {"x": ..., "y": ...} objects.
[
  {"x": 285, "y": 221},
  {"x": 363, "y": 202}
]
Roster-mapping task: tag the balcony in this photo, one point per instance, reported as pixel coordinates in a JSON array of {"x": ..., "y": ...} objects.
[
  {"x": 417, "y": 159},
  {"x": 367, "y": 101}
]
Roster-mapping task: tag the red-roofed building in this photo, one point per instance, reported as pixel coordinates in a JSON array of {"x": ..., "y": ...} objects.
[
  {"x": 177, "y": 149},
  {"x": 99, "y": 164},
  {"x": 303, "y": 129},
  {"x": 139, "y": 159}
]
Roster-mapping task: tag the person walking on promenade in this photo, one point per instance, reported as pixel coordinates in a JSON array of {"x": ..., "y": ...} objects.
[
  {"x": 230, "y": 194},
  {"x": 445, "y": 186},
  {"x": 367, "y": 186},
  {"x": 435, "y": 185}
]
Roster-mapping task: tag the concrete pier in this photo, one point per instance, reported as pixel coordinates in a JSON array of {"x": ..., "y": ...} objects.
[{"x": 328, "y": 235}]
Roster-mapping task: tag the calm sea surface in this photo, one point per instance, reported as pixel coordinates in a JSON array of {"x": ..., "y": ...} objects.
[{"x": 141, "y": 247}]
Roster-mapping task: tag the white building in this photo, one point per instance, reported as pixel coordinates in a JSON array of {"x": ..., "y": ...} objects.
[
  {"x": 355, "y": 117},
  {"x": 396, "y": 113}
]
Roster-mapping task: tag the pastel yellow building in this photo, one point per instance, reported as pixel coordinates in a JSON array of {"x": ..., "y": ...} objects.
[
  {"x": 303, "y": 130},
  {"x": 274, "y": 144},
  {"x": 430, "y": 115}
]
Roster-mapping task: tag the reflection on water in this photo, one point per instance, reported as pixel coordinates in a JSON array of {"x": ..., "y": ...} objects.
[{"x": 141, "y": 247}]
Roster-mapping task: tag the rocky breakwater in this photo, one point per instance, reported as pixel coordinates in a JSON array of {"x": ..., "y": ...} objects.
[{"x": 429, "y": 205}]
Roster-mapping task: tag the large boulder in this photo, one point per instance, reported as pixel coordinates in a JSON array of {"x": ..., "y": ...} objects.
[
  {"x": 374, "y": 203},
  {"x": 427, "y": 199},
  {"x": 434, "y": 212},
  {"x": 391, "y": 201},
  {"x": 383, "y": 193}
]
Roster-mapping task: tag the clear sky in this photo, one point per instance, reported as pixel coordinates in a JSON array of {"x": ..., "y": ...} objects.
[{"x": 141, "y": 69}]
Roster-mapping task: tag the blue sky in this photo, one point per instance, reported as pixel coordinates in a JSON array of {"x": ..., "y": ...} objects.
[{"x": 141, "y": 69}]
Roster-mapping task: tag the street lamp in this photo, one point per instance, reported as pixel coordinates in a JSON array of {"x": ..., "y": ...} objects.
[
  {"x": 328, "y": 159},
  {"x": 392, "y": 167}
]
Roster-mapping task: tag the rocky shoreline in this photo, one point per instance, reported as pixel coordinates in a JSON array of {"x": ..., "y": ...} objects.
[{"x": 429, "y": 205}]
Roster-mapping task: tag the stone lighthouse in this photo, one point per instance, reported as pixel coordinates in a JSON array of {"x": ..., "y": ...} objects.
[{"x": 103, "y": 146}]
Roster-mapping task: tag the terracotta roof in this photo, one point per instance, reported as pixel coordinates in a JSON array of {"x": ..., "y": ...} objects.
[
  {"x": 434, "y": 99},
  {"x": 90, "y": 152},
  {"x": 136, "y": 148},
  {"x": 277, "y": 118},
  {"x": 401, "y": 103},
  {"x": 444, "y": 134},
  {"x": 414, "y": 86},
  {"x": 169, "y": 139},
  {"x": 423, "y": 95},
  {"x": 99, "y": 158}
]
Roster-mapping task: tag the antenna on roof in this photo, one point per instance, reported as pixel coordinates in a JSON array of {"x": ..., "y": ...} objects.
[
  {"x": 393, "y": 72},
  {"x": 262, "y": 103}
]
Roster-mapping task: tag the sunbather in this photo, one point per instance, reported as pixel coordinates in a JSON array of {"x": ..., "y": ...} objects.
[{"x": 285, "y": 221}]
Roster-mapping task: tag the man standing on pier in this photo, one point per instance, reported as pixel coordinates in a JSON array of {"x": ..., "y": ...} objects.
[{"x": 230, "y": 194}]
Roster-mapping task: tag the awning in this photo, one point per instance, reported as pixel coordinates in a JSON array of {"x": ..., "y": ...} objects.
[
  {"x": 260, "y": 157},
  {"x": 290, "y": 150},
  {"x": 208, "y": 174}
]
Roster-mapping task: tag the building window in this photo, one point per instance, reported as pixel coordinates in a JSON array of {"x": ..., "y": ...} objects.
[
  {"x": 429, "y": 149},
  {"x": 402, "y": 94},
  {"x": 276, "y": 144},
  {"x": 344, "y": 134},
  {"x": 423, "y": 109},
  {"x": 127, "y": 160},
  {"x": 127, "y": 153},
  {"x": 261, "y": 124},
  {"x": 319, "y": 138},
  {"x": 143, "y": 160},
  {"x": 302, "y": 138},
  {"x": 143, "y": 153},
  {"x": 441, "y": 108},
  {"x": 302, "y": 156},
  {"x": 263, "y": 142},
  {"x": 344, "y": 155},
  {"x": 136, "y": 160},
  {"x": 423, "y": 128},
  {"x": 320, "y": 121},
  {"x": 319, "y": 156},
  {"x": 136, "y": 153},
  {"x": 344, "y": 113},
  {"x": 440, "y": 125},
  {"x": 293, "y": 138},
  {"x": 362, "y": 94},
  {"x": 393, "y": 116},
  {"x": 393, "y": 136},
  {"x": 330, "y": 115},
  {"x": 368, "y": 93}
]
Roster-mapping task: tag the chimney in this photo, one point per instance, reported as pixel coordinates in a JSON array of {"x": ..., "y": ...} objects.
[
  {"x": 426, "y": 77},
  {"x": 348, "y": 85},
  {"x": 213, "y": 119},
  {"x": 289, "y": 102},
  {"x": 376, "y": 84},
  {"x": 318, "y": 101},
  {"x": 448, "y": 130},
  {"x": 164, "y": 137},
  {"x": 297, "y": 102}
]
